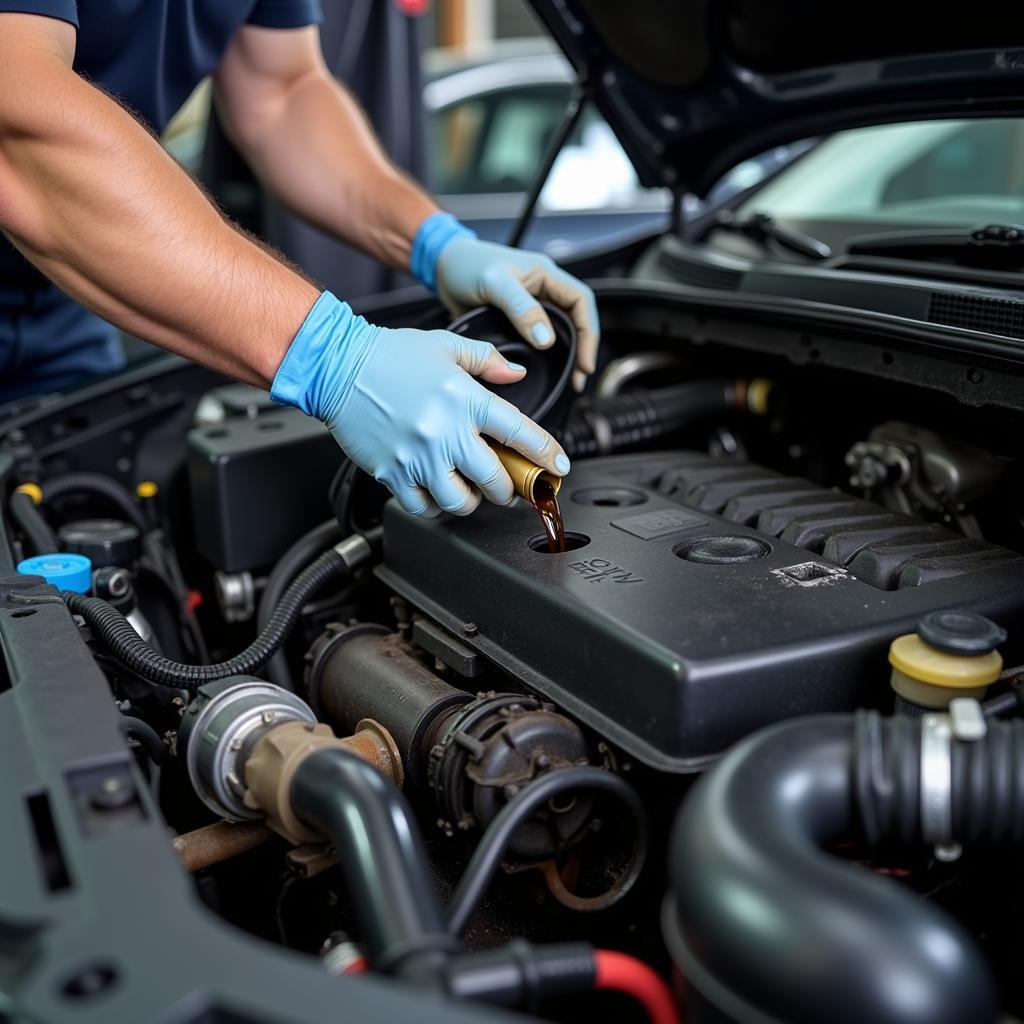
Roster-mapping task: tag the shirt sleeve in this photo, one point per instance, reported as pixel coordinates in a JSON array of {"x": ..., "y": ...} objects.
[
  {"x": 282, "y": 13},
  {"x": 65, "y": 10}
]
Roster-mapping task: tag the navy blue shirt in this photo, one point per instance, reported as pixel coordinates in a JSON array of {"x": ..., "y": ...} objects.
[{"x": 151, "y": 54}]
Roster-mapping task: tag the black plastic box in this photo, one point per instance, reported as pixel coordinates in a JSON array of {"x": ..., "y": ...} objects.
[{"x": 257, "y": 484}]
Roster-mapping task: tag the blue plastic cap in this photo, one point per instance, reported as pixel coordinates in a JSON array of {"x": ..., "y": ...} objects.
[{"x": 64, "y": 571}]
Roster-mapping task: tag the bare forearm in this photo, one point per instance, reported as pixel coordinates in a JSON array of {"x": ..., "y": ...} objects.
[
  {"x": 316, "y": 151},
  {"x": 90, "y": 198}
]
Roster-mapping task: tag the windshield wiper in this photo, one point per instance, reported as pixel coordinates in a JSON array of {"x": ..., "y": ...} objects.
[
  {"x": 763, "y": 228},
  {"x": 992, "y": 245}
]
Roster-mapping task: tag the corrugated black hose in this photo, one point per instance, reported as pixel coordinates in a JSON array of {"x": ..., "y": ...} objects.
[
  {"x": 128, "y": 648},
  {"x": 634, "y": 419},
  {"x": 288, "y": 565}
]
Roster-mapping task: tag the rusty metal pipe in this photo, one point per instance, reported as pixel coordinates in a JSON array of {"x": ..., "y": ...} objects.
[{"x": 203, "y": 847}]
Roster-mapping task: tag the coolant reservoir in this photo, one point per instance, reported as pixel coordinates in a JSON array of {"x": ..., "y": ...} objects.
[{"x": 952, "y": 654}]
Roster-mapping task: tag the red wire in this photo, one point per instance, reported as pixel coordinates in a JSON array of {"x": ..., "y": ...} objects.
[{"x": 622, "y": 973}]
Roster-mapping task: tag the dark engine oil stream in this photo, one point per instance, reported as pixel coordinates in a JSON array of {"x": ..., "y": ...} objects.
[{"x": 545, "y": 501}]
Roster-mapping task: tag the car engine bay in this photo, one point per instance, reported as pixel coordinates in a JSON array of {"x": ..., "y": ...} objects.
[{"x": 746, "y": 750}]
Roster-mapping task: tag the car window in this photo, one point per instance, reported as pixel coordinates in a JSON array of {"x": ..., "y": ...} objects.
[
  {"x": 941, "y": 173},
  {"x": 979, "y": 158},
  {"x": 522, "y": 126},
  {"x": 495, "y": 144}
]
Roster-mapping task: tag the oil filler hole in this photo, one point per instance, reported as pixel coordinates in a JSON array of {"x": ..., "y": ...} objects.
[{"x": 572, "y": 542}]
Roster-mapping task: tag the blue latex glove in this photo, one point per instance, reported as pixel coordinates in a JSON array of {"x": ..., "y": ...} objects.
[
  {"x": 465, "y": 272},
  {"x": 404, "y": 406}
]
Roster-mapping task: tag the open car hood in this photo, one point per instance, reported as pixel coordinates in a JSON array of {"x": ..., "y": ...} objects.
[{"x": 692, "y": 87}]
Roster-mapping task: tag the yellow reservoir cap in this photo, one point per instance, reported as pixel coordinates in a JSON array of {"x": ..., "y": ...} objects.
[
  {"x": 34, "y": 491},
  {"x": 758, "y": 391},
  {"x": 910, "y": 655}
]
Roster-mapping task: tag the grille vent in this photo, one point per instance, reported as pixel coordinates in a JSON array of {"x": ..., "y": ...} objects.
[{"x": 1004, "y": 317}]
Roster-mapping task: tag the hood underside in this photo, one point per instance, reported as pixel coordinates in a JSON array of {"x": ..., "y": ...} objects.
[{"x": 692, "y": 87}]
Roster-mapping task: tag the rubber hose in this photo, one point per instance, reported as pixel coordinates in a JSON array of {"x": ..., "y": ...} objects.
[
  {"x": 1009, "y": 703},
  {"x": 765, "y": 924},
  {"x": 143, "y": 733},
  {"x": 41, "y": 539},
  {"x": 636, "y": 418},
  {"x": 987, "y": 777},
  {"x": 401, "y": 922},
  {"x": 521, "y": 808},
  {"x": 988, "y": 787},
  {"x": 285, "y": 570},
  {"x": 104, "y": 486},
  {"x": 130, "y": 650}
]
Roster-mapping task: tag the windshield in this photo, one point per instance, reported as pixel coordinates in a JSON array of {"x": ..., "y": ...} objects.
[{"x": 933, "y": 173}]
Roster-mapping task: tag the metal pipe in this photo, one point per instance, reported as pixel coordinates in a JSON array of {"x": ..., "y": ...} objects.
[
  {"x": 212, "y": 844},
  {"x": 366, "y": 671}
]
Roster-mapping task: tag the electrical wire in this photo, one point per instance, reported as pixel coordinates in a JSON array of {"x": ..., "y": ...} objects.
[
  {"x": 165, "y": 559},
  {"x": 103, "y": 487},
  {"x": 491, "y": 849},
  {"x": 618, "y": 972},
  {"x": 188, "y": 627}
]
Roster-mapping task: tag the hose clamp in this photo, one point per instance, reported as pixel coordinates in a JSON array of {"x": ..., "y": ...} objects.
[
  {"x": 937, "y": 785},
  {"x": 964, "y": 723}
]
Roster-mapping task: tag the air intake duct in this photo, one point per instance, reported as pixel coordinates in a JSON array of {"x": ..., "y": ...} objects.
[{"x": 767, "y": 925}]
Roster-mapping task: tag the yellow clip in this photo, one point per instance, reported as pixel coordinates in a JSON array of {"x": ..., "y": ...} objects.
[
  {"x": 34, "y": 491},
  {"x": 146, "y": 489}
]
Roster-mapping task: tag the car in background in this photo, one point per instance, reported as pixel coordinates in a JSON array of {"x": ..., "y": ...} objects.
[{"x": 490, "y": 122}]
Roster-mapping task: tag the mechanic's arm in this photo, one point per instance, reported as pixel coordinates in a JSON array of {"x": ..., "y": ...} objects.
[
  {"x": 91, "y": 199},
  {"x": 308, "y": 141}
]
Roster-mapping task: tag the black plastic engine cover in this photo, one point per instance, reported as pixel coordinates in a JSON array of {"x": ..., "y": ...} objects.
[{"x": 676, "y": 630}]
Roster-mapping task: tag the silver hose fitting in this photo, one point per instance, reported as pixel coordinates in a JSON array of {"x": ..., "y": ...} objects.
[{"x": 218, "y": 731}]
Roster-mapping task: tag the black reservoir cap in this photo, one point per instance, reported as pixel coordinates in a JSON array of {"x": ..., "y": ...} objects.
[
  {"x": 960, "y": 632},
  {"x": 102, "y": 541}
]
